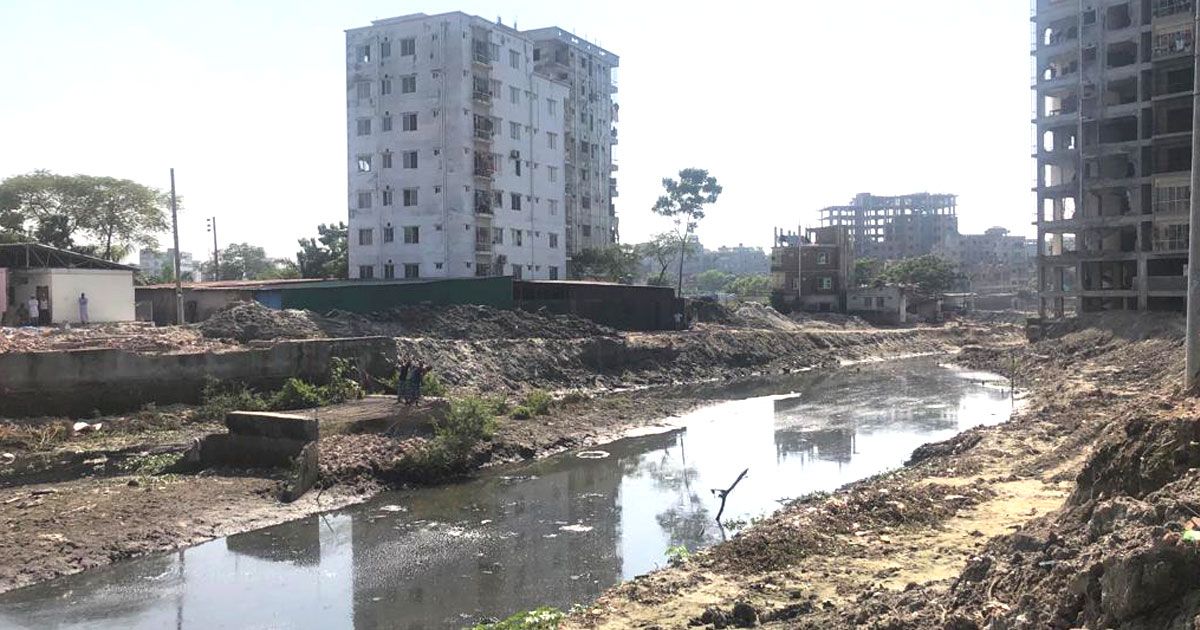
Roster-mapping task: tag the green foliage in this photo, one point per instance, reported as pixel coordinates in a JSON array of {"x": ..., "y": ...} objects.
[
  {"x": 866, "y": 271},
  {"x": 521, "y": 412},
  {"x": 544, "y": 618},
  {"x": 538, "y": 401},
  {"x": 219, "y": 399},
  {"x": 469, "y": 422},
  {"x": 243, "y": 261},
  {"x": 678, "y": 555},
  {"x": 750, "y": 287},
  {"x": 431, "y": 385},
  {"x": 712, "y": 280},
  {"x": 664, "y": 250},
  {"x": 341, "y": 386},
  {"x": 296, "y": 394},
  {"x": 100, "y": 216},
  {"x": 614, "y": 263},
  {"x": 684, "y": 203},
  {"x": 150, "y": 464},
  {"x": 498, "y": 404},
  {"x": 930, "y": 274},
  {"x": 326, "y": 256}
]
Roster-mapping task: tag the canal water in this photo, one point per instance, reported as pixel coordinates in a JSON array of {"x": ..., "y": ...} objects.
[{"x": 554, "y": 532}]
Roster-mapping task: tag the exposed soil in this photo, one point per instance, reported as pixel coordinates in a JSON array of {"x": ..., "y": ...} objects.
[
  {"x": 1071, "y": 515},
  {"x": 95, "y": 520},
  {"x": 130, "y": 336}
]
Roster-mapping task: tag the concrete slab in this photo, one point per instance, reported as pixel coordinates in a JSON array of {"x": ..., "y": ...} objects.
[{"x": 272, "y": 425}]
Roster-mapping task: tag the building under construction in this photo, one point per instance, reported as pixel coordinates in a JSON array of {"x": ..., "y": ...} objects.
[
  {"x": 891, "y": 228},
  {"x": 1113, "y": 117}
]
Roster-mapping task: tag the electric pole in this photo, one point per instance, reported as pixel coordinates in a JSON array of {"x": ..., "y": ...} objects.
[
  {"x": 178, "y": 263},
  {"x": 212, "y": 227},
  {"x": 1192, "y": 375}
]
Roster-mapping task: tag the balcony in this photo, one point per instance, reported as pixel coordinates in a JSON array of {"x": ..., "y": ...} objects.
[
  {"x": 1166, "y": 283},
  {"x": 481, "y": 96},
  {"x": 614, "y": 135},
  {"x": 483, "y": 246},
  {"x": 1167, "y": 8},
  {"x": 480, "y": 53}
]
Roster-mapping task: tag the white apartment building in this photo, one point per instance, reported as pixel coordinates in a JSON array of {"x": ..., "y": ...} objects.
[
  {"x": 152, "y": 262},
  {"x": 458, "y": 155}
]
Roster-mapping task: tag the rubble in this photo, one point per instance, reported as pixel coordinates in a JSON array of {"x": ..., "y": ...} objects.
[
  {"x": 251, "y": 321},
  {"x": 140, "y": 337}
]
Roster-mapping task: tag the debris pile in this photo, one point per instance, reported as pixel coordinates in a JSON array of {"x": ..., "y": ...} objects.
[
  {"x": 251, "y": 321},
  {"x": 461, "y": 321},
  {"x": 141, "y": 337}
]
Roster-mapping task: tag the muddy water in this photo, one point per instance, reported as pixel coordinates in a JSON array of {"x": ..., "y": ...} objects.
[{"x": 554, "y": 532}]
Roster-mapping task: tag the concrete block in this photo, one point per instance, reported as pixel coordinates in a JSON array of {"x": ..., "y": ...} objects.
[
  {"x": 305, "y": 472},
  {"x": 272, "y": 425}
]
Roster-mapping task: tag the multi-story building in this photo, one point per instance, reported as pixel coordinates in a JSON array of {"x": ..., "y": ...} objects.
[
  {"x": 993, "y": 262},
  {"x": 153, "y": 263},
  {"x": 811, "y": 272},
  {"x": 892, "y": 228},
  {"x": 1113, "y": 118},
  {"x": 462, "y": 151}
]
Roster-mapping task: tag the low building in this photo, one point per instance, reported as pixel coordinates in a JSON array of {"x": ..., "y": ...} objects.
[
  {"x": 879, "y": 304},
  {"x": 57, "y": 278}
]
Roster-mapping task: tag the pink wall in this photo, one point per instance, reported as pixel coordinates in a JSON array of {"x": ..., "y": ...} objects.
[{"x": 3, "y": 290}]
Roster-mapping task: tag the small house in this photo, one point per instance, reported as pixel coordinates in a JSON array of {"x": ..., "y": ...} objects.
[
  {"x": 57, "y": 278},
  {"x": 879, "y": 304}
]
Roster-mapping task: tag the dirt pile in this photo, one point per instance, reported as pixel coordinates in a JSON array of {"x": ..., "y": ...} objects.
[
  {"x": 461, "y": 321},
  {"x": 251, "y": 321},
  {"x": 129, "y": 336}
]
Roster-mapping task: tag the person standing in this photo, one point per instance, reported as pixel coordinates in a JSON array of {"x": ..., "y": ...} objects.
[
  {"x": 44, "y": 312},
  {"x": 83, "y": 309},
  {"x": 31, "y": 306}
]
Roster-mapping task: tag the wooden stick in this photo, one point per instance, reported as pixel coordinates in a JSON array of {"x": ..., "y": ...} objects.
[{"x": 725, "y": 493}]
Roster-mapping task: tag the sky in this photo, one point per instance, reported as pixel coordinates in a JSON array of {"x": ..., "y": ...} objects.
[{"x": 792, "y": 106}]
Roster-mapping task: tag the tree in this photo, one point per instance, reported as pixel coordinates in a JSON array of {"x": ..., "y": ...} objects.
[
  {"x": 326, "y": 256},
  {"x": 712, "y": 280},
  {"x": 110, "y": 214},
  {"x": 241, "y": 261},
  {"x": 930, "y": 274},
  {"x": 662, "y": 249},
  {"x": 614, "y": 263},
  {"x": 750, "y": 287},
  {"x": 866, "y": 271},
  {"x": 684, "y": 203}
]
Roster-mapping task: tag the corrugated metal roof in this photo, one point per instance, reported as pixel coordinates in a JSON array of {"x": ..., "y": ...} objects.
[{"x": 38, "y": 256}]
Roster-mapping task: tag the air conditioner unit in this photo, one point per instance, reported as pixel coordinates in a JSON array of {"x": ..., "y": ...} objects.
[{"x": 514, "y": 154}]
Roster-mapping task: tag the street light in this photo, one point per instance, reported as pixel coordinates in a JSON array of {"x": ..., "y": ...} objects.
[{"x": 212, "y": 227}]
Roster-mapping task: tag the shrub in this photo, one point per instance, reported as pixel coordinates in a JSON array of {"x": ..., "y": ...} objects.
[
  {"x": 499, "y": 404},
  {"x": 431, "y": 385},
  {"x": 538, "y": 402},
  {"x": 469, "y": 422},
  {"x": 219, "y": 399},
  {"x": 341, "y": 387},
  {"x": 522, "y": 413},
  {"x": 296, "y": 394}
]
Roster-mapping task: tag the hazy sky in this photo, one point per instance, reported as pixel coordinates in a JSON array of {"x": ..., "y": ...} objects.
[{"x": 793, "y": 106}]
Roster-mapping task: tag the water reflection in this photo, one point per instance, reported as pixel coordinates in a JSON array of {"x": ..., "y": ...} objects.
[{"x": 555, "y": 532}]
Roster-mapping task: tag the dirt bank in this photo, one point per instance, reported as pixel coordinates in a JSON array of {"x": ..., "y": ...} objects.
[
  {"x": 58, "y": 528},
  {"x": 1071, "y": 515}
]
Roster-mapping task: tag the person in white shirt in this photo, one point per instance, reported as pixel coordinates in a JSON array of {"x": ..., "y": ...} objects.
[
  {"x": 83, "y": 310},
  {"x": 32, "y": 307}
]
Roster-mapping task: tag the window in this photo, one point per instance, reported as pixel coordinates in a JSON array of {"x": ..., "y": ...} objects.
[
  {"x": 514, "y": 130},
  {"x": 498, "y": 199},
  {"x": 879, "y": 302},
  {"x": 552, "y": 140},
  {"x": 826, "y": 283},
  {"x": 551, "y": 106},
  {"x": 585, "y": 231},
  {"x": 387, "y": 159},
  {"x": 389, "y": 234},
  {"x": 364, "y": 200},
  {"x": 553, "y": 173},
  {"x": 516, "y": 271},
  {"x": 516, "y": 200},
  {"x": 410, "y": 159},
  {"x": 412, "y": 235},
  {"x": 387, "y": 122},
  {"x": 515, "y": 237},
  {"x": 385, "y": 50},
  {"x": 408, "y": 84},
  {"x": 514, "y": 95},
  {"x": 364, "y": 126},
  {"x": 364, "y": 164},
  {"x": 388, "y": 197},
  {"x": 365, "y": 237},
  {"x": 822, "y": 258},
  {"x": 497, "y": 236},
  {"x": 389, "y": 271},
  {"x": 412, "y": 270},
  {"x": 364, "y": 54},
  {"x": 553, "y": 272},
  {"x": 409, "y": 121},
  {"x": 410, "y": 197},
  {"x": 496, "y": 85},
  {"x": 553, "y": 207},
  {"x": 385, "y": 86},
  {"x": 514, "y": 59},
  {"x": 366, "y": 272},
  {"x": 364, "y": 89},
  {"x": 553, "y": 240},
  {"x": 408, "y": 46}
]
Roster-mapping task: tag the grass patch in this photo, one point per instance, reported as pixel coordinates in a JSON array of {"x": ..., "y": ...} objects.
[
  {"x": 221, "y": 398},
  {"x": 147, "y": 465},
  {"x": 39, "y": 437},
  {"x": 534, "y": 403},
  {"x": 544, "y": 618}
]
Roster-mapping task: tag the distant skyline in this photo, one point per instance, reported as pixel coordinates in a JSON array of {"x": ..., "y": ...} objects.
[{"x": 793, "y": 107}]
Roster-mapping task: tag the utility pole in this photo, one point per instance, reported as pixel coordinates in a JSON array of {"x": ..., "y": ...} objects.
[
  {"x": 1192, "y": 375},
  {"x": 178, "y": 264},
  {"x": 212, "y": 227}
]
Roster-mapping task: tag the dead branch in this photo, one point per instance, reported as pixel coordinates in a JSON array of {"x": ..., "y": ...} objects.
[{"x": 725, "y": 493}]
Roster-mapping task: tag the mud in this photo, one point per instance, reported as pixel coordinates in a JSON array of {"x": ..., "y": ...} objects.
[{"x": 1072, "y": 514}]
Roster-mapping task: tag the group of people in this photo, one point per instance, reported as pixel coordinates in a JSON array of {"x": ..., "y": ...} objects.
[
  {"x": 408, "y": 386},
  {"x": 36, "y": 312}
]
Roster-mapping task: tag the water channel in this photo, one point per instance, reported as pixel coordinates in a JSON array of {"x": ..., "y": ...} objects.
[{"x": 553, "y": 532}]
